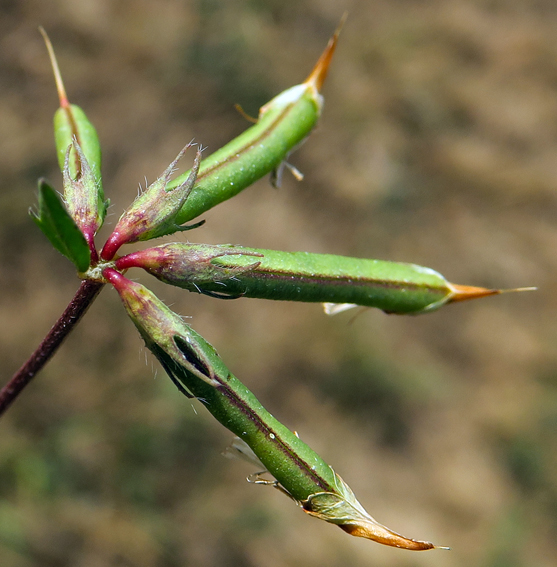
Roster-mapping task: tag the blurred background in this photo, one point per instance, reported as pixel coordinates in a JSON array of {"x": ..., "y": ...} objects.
[{"x": 437, "y": 146}]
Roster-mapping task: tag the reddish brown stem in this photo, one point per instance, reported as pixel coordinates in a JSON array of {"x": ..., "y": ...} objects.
[{"x": 84, "y": 296}]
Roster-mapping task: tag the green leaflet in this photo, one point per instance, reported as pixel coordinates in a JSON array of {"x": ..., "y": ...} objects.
[
  {"x": 59, "y": 227},
  {"x": 237, "y": 271}
]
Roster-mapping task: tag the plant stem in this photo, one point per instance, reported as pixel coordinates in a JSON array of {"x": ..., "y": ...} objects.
[{"x": 84, "y": 296}]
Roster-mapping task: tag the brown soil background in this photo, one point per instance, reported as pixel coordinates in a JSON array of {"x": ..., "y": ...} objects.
[{"x": 438, "y": 146}]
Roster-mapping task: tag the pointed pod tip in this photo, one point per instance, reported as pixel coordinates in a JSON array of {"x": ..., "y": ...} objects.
[
  {"x": 64, "y": 102},
  {"x": 319, "y": 73},
  {"x": 512, "y": 290},
  {"x": 465, "y": 292},
  {"x": 380, "y": 534}
]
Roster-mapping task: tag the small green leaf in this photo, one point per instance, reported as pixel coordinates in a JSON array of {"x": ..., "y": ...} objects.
[{"x": 58, "y": 226}]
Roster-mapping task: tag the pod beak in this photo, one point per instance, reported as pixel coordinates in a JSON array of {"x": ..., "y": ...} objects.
[
  {"x": 465, "y": 292},
  {"x": 319, "y": 73},
  {"x": 62, "y": 96},
  {"x": 380, "y": 534}
]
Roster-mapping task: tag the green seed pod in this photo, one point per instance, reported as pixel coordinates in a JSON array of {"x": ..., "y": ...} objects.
[
  {"x": 79, "y": 156},
  {"x": 196, "y": 368},
  {"x": 283, "y": 124},
  {"x": 235, "y": 271},
  {"x": 71, "y": 123}
]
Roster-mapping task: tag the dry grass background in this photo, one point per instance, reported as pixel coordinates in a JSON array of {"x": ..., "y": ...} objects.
[{"x": 438, "y": 146}]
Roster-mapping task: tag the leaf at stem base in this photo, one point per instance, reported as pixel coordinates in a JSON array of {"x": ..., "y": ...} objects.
[{"x": 59, "y": 227}]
